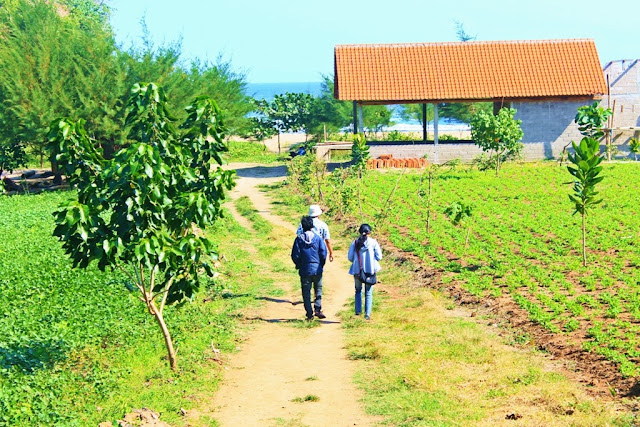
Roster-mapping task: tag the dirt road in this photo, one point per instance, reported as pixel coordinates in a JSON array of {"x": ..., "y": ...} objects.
[{"x": 279, "y": 363}]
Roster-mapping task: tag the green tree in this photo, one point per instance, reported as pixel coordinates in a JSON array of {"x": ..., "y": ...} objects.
[
  {"x": 141, "y": 211},
  {"x": 328, "y": 112},
  {"x": 414, "y": 112},
  {"x": 376, "y": 117},
  {"x": 634, "y": 147},
  {"x": 289, "y": 112},
  {"x": 260, "y": 129},
  {"x": 51, "y": 66},
  {"x": 458, "y": 213},
  {"x": 463, "y": 111},
  {"x": 359, "y": 154},
  {"x": 462, "y": 34},
  {"x": 88, "y": 13},
  {"x": 585, "y": 168},
  {"x": 590, "y": 120},
  {"x": 162, "y": 64},
  {"x": 498, "y": 135},
  {"x": 12, "y": 156}
]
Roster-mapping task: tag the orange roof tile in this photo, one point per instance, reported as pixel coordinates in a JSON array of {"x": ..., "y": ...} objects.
[{"x": 468, "y": 70}]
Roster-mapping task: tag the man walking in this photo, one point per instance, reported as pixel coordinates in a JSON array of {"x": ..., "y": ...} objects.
[
  {"x": 309, "y": 254},
  {"x": 319, "y": 227}
]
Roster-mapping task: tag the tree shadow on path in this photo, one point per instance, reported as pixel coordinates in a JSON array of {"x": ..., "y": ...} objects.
[{"x": 293, "y": 321}]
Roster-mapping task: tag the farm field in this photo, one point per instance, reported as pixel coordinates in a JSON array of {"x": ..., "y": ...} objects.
[
  {"x": 524, "y": 255},
  {"x": 524, "y": 248},
  {"x": 77, "y": 348}
]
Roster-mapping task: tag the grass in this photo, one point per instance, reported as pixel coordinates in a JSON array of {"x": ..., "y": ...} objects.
[
  {"x": 307, "y": 398},
  {"x": 421, "y": 364},
  {"x": 77, "y": 348},
  {"x": 245, "y": 208},
  {"x": 251, "y": 152}
]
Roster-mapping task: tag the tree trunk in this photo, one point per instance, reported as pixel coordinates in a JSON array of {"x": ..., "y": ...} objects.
[
  {"x": 167, "y": 336},
  {"x": 584, "y": 240},
  {"x": 279, "y": 142},
  {"x": 466, "y": 240},
  {"x": 360, "y": 198}
]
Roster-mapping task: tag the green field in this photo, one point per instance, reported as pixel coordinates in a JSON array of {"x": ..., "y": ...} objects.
[
  {"x": 77, "y": 348},
  {"x": 525, "y": 245}
]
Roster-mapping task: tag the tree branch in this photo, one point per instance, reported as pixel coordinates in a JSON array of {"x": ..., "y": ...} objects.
[{"x": 166, "y": 292}]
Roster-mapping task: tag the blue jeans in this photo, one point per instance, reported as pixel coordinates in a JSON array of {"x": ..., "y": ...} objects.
[
  {"x": 306, "y": 283},
  {"x": 368, "y": 297}
]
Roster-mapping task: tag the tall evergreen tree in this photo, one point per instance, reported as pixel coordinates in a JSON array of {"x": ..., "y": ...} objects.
[{"x": 52, "y": 63}]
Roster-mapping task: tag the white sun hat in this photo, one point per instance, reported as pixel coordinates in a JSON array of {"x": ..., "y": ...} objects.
[{"x": 314, "y": 210}]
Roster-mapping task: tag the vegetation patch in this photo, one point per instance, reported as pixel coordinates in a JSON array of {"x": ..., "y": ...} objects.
[
  {"x": 76, "y": 347},
  {"x": 249, "y": 152},
  {"x": 307, "y": 398},
  {"x": 246, "y": 209}
]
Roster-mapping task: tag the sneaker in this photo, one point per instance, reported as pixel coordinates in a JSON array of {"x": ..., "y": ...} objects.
[
  {"x": 320, "y": 315},
  {"x": 367, "y": 318},
  {"x": 357, "y": 314},
  {"x": 309, "y": 318}
]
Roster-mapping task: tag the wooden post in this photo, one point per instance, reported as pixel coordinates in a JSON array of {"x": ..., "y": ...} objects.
[
  {"x": 607, "y": 136},
  {"x": 496, "y": 107},
  {"x": 424, "y": 122},
  {"x": 355, "y": 117},
  {"x": 435, "y": 132}
]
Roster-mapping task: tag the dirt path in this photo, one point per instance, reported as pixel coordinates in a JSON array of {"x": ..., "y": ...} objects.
[{"x": 278, "y": 362}]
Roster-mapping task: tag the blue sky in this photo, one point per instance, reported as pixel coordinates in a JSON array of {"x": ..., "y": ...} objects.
[{"x": 293, "y": 41}]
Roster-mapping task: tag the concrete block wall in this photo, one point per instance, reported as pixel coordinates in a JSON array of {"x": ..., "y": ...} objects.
[
  {"x": 624, "y": 81},
  {"x": 624, "y": 76},
  {"x": 548, "y": 127}
]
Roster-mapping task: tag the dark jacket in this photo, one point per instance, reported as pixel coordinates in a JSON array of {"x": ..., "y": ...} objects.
[{"x": 309, "y": 253}]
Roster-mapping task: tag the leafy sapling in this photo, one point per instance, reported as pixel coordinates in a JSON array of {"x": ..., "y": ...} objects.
[
  {"x": 634, "y": 147},
  {"x": 498, "y": 135},
  {"x": 590, "y": 120},
  {"x": 141, "y": 211},
  {"x": 458, "y": 214},
  {"x": 585, "y": 168},
  {"x": 359, "y": 154}
]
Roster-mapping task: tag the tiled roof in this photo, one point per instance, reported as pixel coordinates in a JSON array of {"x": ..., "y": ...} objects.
[{"x": 468, "y": 70}]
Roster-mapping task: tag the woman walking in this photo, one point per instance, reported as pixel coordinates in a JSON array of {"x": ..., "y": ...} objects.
[{"x": 364, "y": 254}]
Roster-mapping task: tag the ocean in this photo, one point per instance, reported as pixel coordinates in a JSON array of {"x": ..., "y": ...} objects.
[{"x": 269, "y": 90}]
